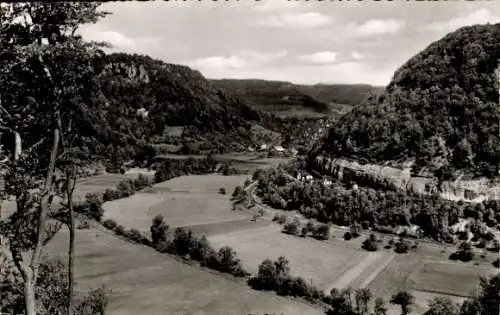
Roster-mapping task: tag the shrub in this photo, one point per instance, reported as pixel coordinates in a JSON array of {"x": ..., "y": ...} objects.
[
  {"x": 238, "y": 193},
  {"x": 280, "y": 218},
  {"x": 83, "y": 225},
  {"x": 93, "y": 206},
  {"x": 322, "y": 232},
  {"x": 201, "y": 250},
  {"x": 110, "y": 224},
  {"x": 158, "y": 231},
  {"x": 183, "y": 242},
  {"x": 134, "y": 235},
  {"x": 110, "y": 195},
  {"x": 125, "y": 188},
  {"x": 120, "y": 230},
  {"x": 304, "y": 232},
  {"x": 370, "y": 244},
  {"x": 142, "y": 181},
  {"x": 355, "y": 230},
  {"x": 292, "y": 228},
  {"x": 347, "y": 236},
  {"x": 402, "y": 246},
  {"x": 222, "y": 191},
  {"x": 464, "y": 252},
  {"x": 228, "y": 262},
  {"x": 496, "y": 263}
]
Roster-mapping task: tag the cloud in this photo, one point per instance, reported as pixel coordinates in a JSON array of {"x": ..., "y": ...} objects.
[
  {"x": 116, "y": 39},
  {"x": 253, "y": 57},
  {"x": 276, "y": 5},
  {"x": 357, "y": 56},
  {"x": 376, "y": 27},
  {"x": 238, "y": 60},
  {"x": 307, "y": 19},
  {"x": 480, "y": 16},
  {"x": 324, "y": 57},
  {"x": 218, "y": 62},
  {"x": 351, "y": 72}
]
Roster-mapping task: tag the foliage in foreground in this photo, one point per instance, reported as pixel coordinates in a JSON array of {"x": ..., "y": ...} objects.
[{"x": 51, "y": 292}]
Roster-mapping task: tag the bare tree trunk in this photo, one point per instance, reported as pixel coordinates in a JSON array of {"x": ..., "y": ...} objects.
[
  {"x": 18, "y": 145},
  {"x": 71, "y": 253},
  {"x": 29, "y": 292},
  {"x": 32, "y": 270}
]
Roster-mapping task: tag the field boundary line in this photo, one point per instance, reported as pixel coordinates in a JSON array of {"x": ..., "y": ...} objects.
[
  {"x": 354, "y": 272},
  {"x": 440, "y": 292},
  {"x": 374, "y": 274}
]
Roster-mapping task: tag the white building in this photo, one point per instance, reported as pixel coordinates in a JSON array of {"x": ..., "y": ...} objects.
[{"x": 279, "y": 148}]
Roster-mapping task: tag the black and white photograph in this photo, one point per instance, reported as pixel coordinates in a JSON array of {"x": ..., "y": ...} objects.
[{"x": 250, "y": 157}]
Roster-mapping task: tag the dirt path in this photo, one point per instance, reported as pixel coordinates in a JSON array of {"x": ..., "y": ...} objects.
[
  {"x": 354, "y": 272},
  {"x": 376, "y": 272}
]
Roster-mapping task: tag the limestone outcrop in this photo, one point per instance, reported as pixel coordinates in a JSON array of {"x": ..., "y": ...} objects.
[{"x": 466, "y": 190}]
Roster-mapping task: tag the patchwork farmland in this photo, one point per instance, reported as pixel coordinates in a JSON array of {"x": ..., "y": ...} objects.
[{"x": 194, "y": 202}]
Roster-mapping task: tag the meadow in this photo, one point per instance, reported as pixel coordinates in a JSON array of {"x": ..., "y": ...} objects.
[{"x": 143, "y": 281}]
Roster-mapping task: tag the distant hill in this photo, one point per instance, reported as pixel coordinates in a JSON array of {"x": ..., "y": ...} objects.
[
  {"x": 290, "y": 99},
  {"x": 143, "y": 100},
  {"x": 439, "y": 112},
  {"x": 272, "y": 96},
  {"x": 348, "y": 94}
]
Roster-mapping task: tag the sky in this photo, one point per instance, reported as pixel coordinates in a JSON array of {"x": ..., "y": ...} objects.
[{"x": 305, "y": 42}]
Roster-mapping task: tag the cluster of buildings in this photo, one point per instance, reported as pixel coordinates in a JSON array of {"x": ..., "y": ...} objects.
[{"x": 274, "y": 149}]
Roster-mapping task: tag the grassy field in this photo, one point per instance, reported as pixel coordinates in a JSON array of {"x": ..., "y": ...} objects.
[
  {"x": 143, "y": 281},
  {"x": 186, "y": 201},
  {"x": 194, "y": 202},
  {"x": 425, "y": 276},
  {"x": 315, "y": 261}
]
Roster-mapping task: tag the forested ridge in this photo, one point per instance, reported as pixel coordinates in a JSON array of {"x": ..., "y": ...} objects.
[
  {"x": 172, "y": 95},
  {"x": 441, "y": 111}
]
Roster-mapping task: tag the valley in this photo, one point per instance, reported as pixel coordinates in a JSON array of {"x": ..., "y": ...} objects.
[
  {"x": 193, "y": 202},
  {"x": 261, "y": 158}
]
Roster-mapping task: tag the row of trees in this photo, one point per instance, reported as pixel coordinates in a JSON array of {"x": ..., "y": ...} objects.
[
  {"x": 379, "y": 210},
  {"x": 170, "y": 168},
  {"x": 183, "y": 243},
  {"x": 275, "y": 276}
]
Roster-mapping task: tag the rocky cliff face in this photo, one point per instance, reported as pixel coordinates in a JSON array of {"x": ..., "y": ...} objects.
[{"x": 466, "y": 190}]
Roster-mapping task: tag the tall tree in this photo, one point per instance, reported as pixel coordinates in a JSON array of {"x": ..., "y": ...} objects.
[
  {"x": 403, "y": 299},
  {"x": 47, "y": 72},
  {"x": 379, "y": 308},
  {"x": 441, "y": 306},
  {"x": 362, "y": 297}
]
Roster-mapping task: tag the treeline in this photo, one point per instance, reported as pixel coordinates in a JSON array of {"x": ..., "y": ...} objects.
[
  {"x": 380, "y": 210},
  {"x": 181, "y": 242},
  {"x": 170, "y": 168}
]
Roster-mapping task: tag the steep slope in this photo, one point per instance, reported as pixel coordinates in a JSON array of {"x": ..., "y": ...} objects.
[
  {"x": 440, "y": 113},
  {"x": 145, "y": 99}
]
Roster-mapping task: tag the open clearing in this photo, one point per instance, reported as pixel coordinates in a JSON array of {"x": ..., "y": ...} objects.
[
  {"x": 313, "y": 260},
  {"x": 452, "y": 278},
  {"x": 187, "y": 201},
  {"x": 143, "y": 281},
  {"x": 425, "y": 276}
]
